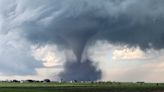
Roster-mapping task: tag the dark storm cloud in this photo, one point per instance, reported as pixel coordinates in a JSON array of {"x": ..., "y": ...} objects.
[
  {"x": 73, "y": 24},
  {"x": 146, "y": 36},
  {"x": 141, "y": 25},
  {"x": 82, "y": 21}
]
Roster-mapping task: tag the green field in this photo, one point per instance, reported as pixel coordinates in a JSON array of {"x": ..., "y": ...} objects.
[{"x": 81, "y": 87}]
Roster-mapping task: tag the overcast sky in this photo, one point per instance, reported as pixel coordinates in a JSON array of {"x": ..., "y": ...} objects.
[{"x": 117, "y": 40}]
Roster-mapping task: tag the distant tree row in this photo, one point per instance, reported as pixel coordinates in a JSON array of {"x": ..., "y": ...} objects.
[{"x": 29, "y": 81}]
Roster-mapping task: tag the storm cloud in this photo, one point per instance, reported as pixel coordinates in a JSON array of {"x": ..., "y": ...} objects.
[{"x": 77, "y": 25}]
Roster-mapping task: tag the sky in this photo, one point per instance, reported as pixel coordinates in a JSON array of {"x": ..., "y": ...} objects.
[{"x": 85, "y": 40}]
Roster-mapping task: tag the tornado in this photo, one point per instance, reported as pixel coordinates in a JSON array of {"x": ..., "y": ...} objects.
[
  {"x": 77, "y": 36},
  {"x": 73, "y": 30}
]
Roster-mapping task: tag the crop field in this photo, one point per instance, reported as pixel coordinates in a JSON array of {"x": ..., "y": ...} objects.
[{"x": 81, "y": 87}]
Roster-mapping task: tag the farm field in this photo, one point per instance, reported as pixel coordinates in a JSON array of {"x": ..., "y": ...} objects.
[{"x": 81, "y": 87}]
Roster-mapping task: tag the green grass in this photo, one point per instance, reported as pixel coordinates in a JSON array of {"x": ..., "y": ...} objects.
[{"x": 79, "y": 87}]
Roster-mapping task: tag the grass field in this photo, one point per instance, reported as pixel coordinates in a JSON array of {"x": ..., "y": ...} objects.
[{"x": 80, "y": 87}]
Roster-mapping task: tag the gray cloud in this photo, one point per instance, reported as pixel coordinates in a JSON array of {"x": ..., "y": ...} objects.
[
  {"x": 76, "y": 24},
  {"x": 140, "y": 25},
  {"x": 15, "y": 56}
]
